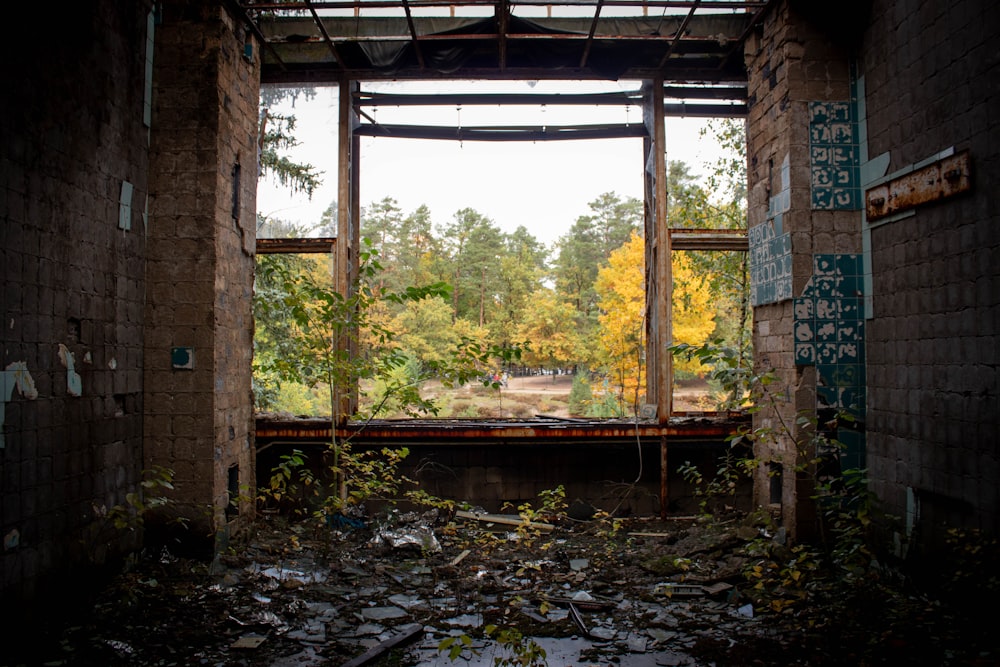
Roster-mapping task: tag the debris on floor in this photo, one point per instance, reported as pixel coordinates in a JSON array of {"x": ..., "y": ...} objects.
[{"x": 413, "y": 589}]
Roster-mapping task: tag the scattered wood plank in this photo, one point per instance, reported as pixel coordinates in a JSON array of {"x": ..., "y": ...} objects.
[
  {"x": 406, "y": 633},
  {"x": 595, "y": 604},
  {"x": 649, "y": 534},
  {"x": 460, "y": 557},
  {"x": 578, "y": 619},
  {"x": 504, "y": 520}
]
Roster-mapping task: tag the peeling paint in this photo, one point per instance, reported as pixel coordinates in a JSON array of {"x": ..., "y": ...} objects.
[
  {"x": 11, "y": 540},
  {"x": 74, "y": 385},
  {"x": 15, "y": 375},
  {"x": 125, "y": 207}
]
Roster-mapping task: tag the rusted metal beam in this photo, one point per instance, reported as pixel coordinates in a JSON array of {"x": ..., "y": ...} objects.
[
  {"x": 708, "y": 239},
  {"x": 709, "y": 427},
  {"x": 295, "y": 246},
  {"x": 706, "y": 110},
  {"x": 625, "y": 98},
  {"x": 503, "y": 133},
  {"x": 735, "y": 93},
  {"x": 678, "y": 34},
  {"x": 701, "y": 71},
  {"x": 503, "y": 25},
  {"x": 326, "y": 35},
  {"x": 729, "y": 5},
  {"x": 664, "y": 484},
  {"x": 590, "y": 35},
  {"x": 939, "y": 180},
  {"x": 413, "y": 35}
]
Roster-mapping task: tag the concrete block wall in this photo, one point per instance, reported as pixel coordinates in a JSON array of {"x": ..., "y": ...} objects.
[
  {"x": 931, "y": 72},
  {"x": 199, "y": 336},
  {"x": 790, "y": 64},
  {"x": 611, "y": 477},
  {"x": 72, "y": 256}
]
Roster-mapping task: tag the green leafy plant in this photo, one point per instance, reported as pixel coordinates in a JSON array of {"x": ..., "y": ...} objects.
[
  {"x": 551, "y": 507},
  {"x": 516, "y": 650}
]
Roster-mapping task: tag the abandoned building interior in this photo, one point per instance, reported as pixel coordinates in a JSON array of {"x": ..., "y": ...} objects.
[{"x": 129, "y": 159}]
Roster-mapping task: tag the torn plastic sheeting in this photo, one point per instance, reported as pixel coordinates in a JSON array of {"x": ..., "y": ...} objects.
[
  {"x": 286, "y": 575},
  {"x": 421, "y": 537}
]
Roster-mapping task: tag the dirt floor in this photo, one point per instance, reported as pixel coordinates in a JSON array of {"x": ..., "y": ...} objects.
[
  {"x": 689, "y": 395},
  {"x": 639, "y": 592}
]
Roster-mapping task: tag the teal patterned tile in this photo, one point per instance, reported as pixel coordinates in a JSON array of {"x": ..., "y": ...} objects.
[
  {"x": 804, "y": 308},
  {"x": 827, "y": 307},
  {"x": 847, "y": 331},
  {"x": 847, "y": 352},
  {"x": 825, "y": 331},
  {"x": 805, "y": 354},
  {"x": 824, "y": 265},
  {"x": 826, "y": 353},
  {"x": 804, "y": 331}
]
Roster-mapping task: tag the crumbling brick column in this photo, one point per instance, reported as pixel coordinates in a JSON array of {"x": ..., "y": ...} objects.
[
  {"x": 803, "y": 224},
  {"x": 199, "y": 326}
]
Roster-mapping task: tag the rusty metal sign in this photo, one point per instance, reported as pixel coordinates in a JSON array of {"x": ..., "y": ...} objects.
[{"x": 942, "y": 179}]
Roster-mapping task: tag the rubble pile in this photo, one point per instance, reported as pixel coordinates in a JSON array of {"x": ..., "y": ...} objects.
[{"x": 477, "y": 589}]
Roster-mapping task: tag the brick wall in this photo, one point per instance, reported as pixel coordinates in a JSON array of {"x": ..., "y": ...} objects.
[
  {"x": 791, "y": 67},
  {"x": 71, "y": 133},
  {"x": 201, "y": 247},
  {"x": 934, "y": 403}
]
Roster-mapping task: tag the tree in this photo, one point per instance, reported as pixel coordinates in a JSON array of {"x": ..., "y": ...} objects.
[
  {"x": 471, "y": 243},
  {"x": 277, "y": 134},
  {"x": 551, "y": 324},
  {"x": 622, "y": 330},
  {"x": 521, "y": 265},
  {"x": 590, "y": 242}
]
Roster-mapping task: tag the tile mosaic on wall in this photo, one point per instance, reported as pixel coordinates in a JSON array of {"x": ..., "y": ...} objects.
[
  {"x": 829, "y": 334},
  {"x": 834, "y": 156}
]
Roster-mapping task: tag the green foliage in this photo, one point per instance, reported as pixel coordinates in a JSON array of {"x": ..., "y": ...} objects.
[
  {"x": 519, "y": 651},
  {"x": 516, "y": 650},
  {"x": 580, "y": 395},
  {"x": 733, "y": 468},
  {"x": 278, "y": 134},
  {"x": 291, "y": 481},
  {"x": 551, "y": 507},
  {"x": 131, "y": 515}
]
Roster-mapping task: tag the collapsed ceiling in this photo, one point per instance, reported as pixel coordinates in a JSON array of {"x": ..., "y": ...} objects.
[{"x": 695, "y": 43}]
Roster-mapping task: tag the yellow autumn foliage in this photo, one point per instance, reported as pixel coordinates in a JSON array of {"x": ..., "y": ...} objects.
[{"x": 622, "y": 332}]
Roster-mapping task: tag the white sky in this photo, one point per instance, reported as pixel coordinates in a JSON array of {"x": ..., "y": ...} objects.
[{"x": 544, "y": 186}]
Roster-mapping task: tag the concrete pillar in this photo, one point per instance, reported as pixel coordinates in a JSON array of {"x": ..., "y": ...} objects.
[{"x": 198, "y": 416}]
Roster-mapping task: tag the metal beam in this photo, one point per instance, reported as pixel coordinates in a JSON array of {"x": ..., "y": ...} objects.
[
  {"x": 628, "y": 98},
  {"x": 590, "y": 35},
  {"x": 503, "y": 133},
  {"x": 295, "y": 246},
  {"x": 708, "y": 239},
  {"x": 413, "y": 35},
  {"x": 728, "y": 5},
  {"x": 326, "y": 35},
  {"x": 678, "y": 35}
]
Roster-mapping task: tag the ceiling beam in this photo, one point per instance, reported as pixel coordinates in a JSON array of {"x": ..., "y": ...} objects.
[
  {"x": 490, "y": 99},
  {"x": 413, "y": 35},
  {"x": 326, "y": 35},
  {"x": 678, "y": 35},
  {"x": 503, "y": 133},
  {"x": 590, "y": 35}
]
